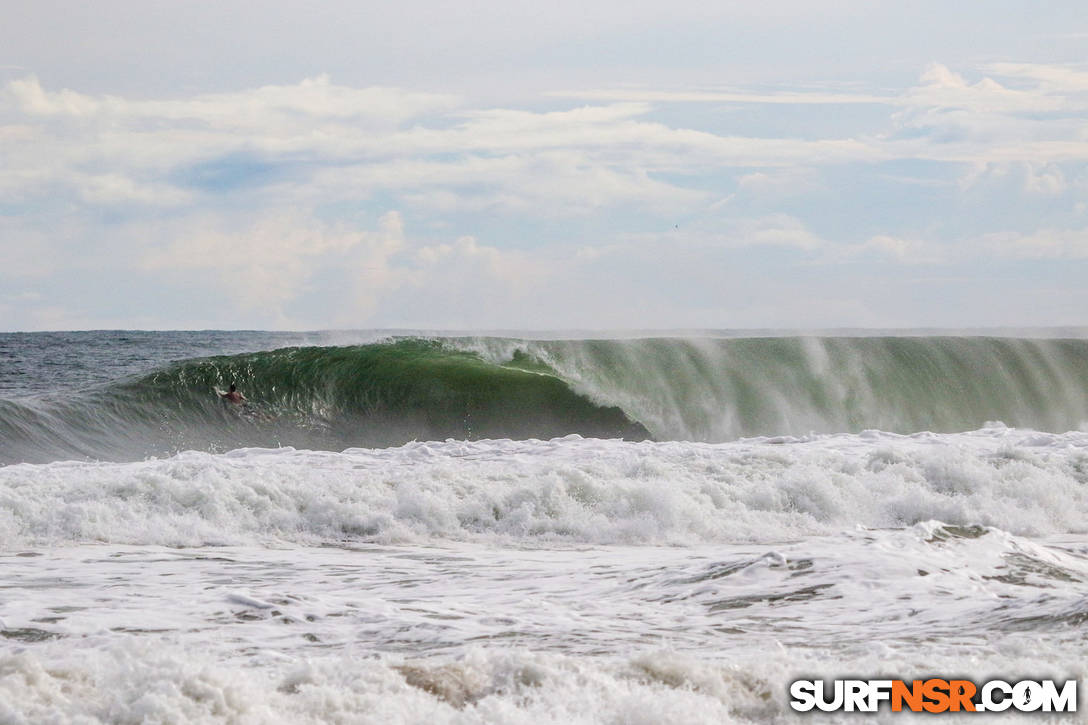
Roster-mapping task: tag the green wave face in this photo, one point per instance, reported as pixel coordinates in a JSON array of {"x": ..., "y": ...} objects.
[
  {"x": 703, "y": 389},
  {"x": 389, "y": 393},
  {"x": 722, "y": 389},
  {"x": 317, "y": 397}
]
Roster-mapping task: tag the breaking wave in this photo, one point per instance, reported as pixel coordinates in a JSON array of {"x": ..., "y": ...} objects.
[
  {"x": 696, "y": 389},
  {"x": 566, "y": 490}
]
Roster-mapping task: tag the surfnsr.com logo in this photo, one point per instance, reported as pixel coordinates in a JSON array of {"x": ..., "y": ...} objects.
[{"x": 933, "y": 695}]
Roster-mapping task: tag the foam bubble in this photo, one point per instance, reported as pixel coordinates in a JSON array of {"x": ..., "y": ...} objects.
[
  {"x": 145, "y": 682},
  {"x": 563, "y": 490}
]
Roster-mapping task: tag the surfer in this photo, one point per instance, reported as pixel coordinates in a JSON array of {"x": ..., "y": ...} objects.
[{"x": 233, "y": 396}]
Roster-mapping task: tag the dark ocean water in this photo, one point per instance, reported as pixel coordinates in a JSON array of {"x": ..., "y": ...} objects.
[
  {"x": 130, "y": 395},
  {"x": 43, "y": 362}
]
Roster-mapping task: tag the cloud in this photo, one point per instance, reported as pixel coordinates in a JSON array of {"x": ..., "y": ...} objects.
[
  {"x": 316, "y": 139},
  {"x": 718, "y": 232},
  {"x": 901, "y": 249},
  {"x": 1044, "y": 244},
  {"x": 780, "y": 183},
  {"x": 1046, "y": 179},
  {"x": 1050, "y": 78},
  {"x": 464, "y": 283},
  {"x": 941, "y": 88},
  {"x": 266, "y": 264},
  {"x": 547, "y": 183},
  {"x": 946, "y": 117},
  {"x": 778, "y": 230},
  {"x": 288, "y": 106},
  {"x": 117, "y": 189},
  {"x": 1048, "y": 88},
  {"x": 719, "y": 96},
  {"x": 273, "y": 202},
  {"x": 106, "y": 149}
]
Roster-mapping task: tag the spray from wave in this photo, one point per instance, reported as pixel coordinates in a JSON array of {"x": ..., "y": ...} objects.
[
  {"x": 700, "y": 389},
  {"x": 713, "y": 390}
]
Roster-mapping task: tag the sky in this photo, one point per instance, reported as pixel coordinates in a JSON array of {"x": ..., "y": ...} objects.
[{"x": 527, "y": 165}]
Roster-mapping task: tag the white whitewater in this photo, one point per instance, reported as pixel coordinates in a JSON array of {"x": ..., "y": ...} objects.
[{"x": 570, "y": 580}]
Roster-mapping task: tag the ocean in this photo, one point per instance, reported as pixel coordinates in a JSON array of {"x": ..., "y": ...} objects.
[{"x": 510, "y": 528}]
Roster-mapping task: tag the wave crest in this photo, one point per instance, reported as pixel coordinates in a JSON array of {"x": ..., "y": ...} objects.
[{"x": 696, "y": 389}]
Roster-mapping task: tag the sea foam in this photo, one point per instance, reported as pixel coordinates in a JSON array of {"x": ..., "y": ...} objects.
[{"x": 568, "y": 489}]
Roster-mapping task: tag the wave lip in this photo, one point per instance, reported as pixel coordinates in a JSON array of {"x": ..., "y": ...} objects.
[
  {"x": 691, "y": 389},
  {"x": 715, "y": 389}
]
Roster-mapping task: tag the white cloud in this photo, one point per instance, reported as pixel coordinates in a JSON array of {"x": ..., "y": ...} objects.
[
  {"x": 288, "y": 106},
  {"x": 1054, "y": 244},
  {"x": 548, "y": 183},
  {"x": 108, "y": 149},
  {"x": 780, "y": 183},
  {"x": 1043, "y": 244},
  {"x": 1046, "y": 179},
  {"x": 901, "y": 249},
  {"x": 723, "y": 233},
  {"x": 778, "y": 230},
  {"x": 261, "y": 195},
  {"x": 1051, "y": 78},
  {"x": 29, "y": 251},
  {"x": 947, "y": 118},
  {"x": 266, "y": 264},
  {"x": 941, "y": 88},
  {"x": 727, "y": 96},
  {"x": 118, "y": 189},
  {"x": 322, "y": 138}
]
